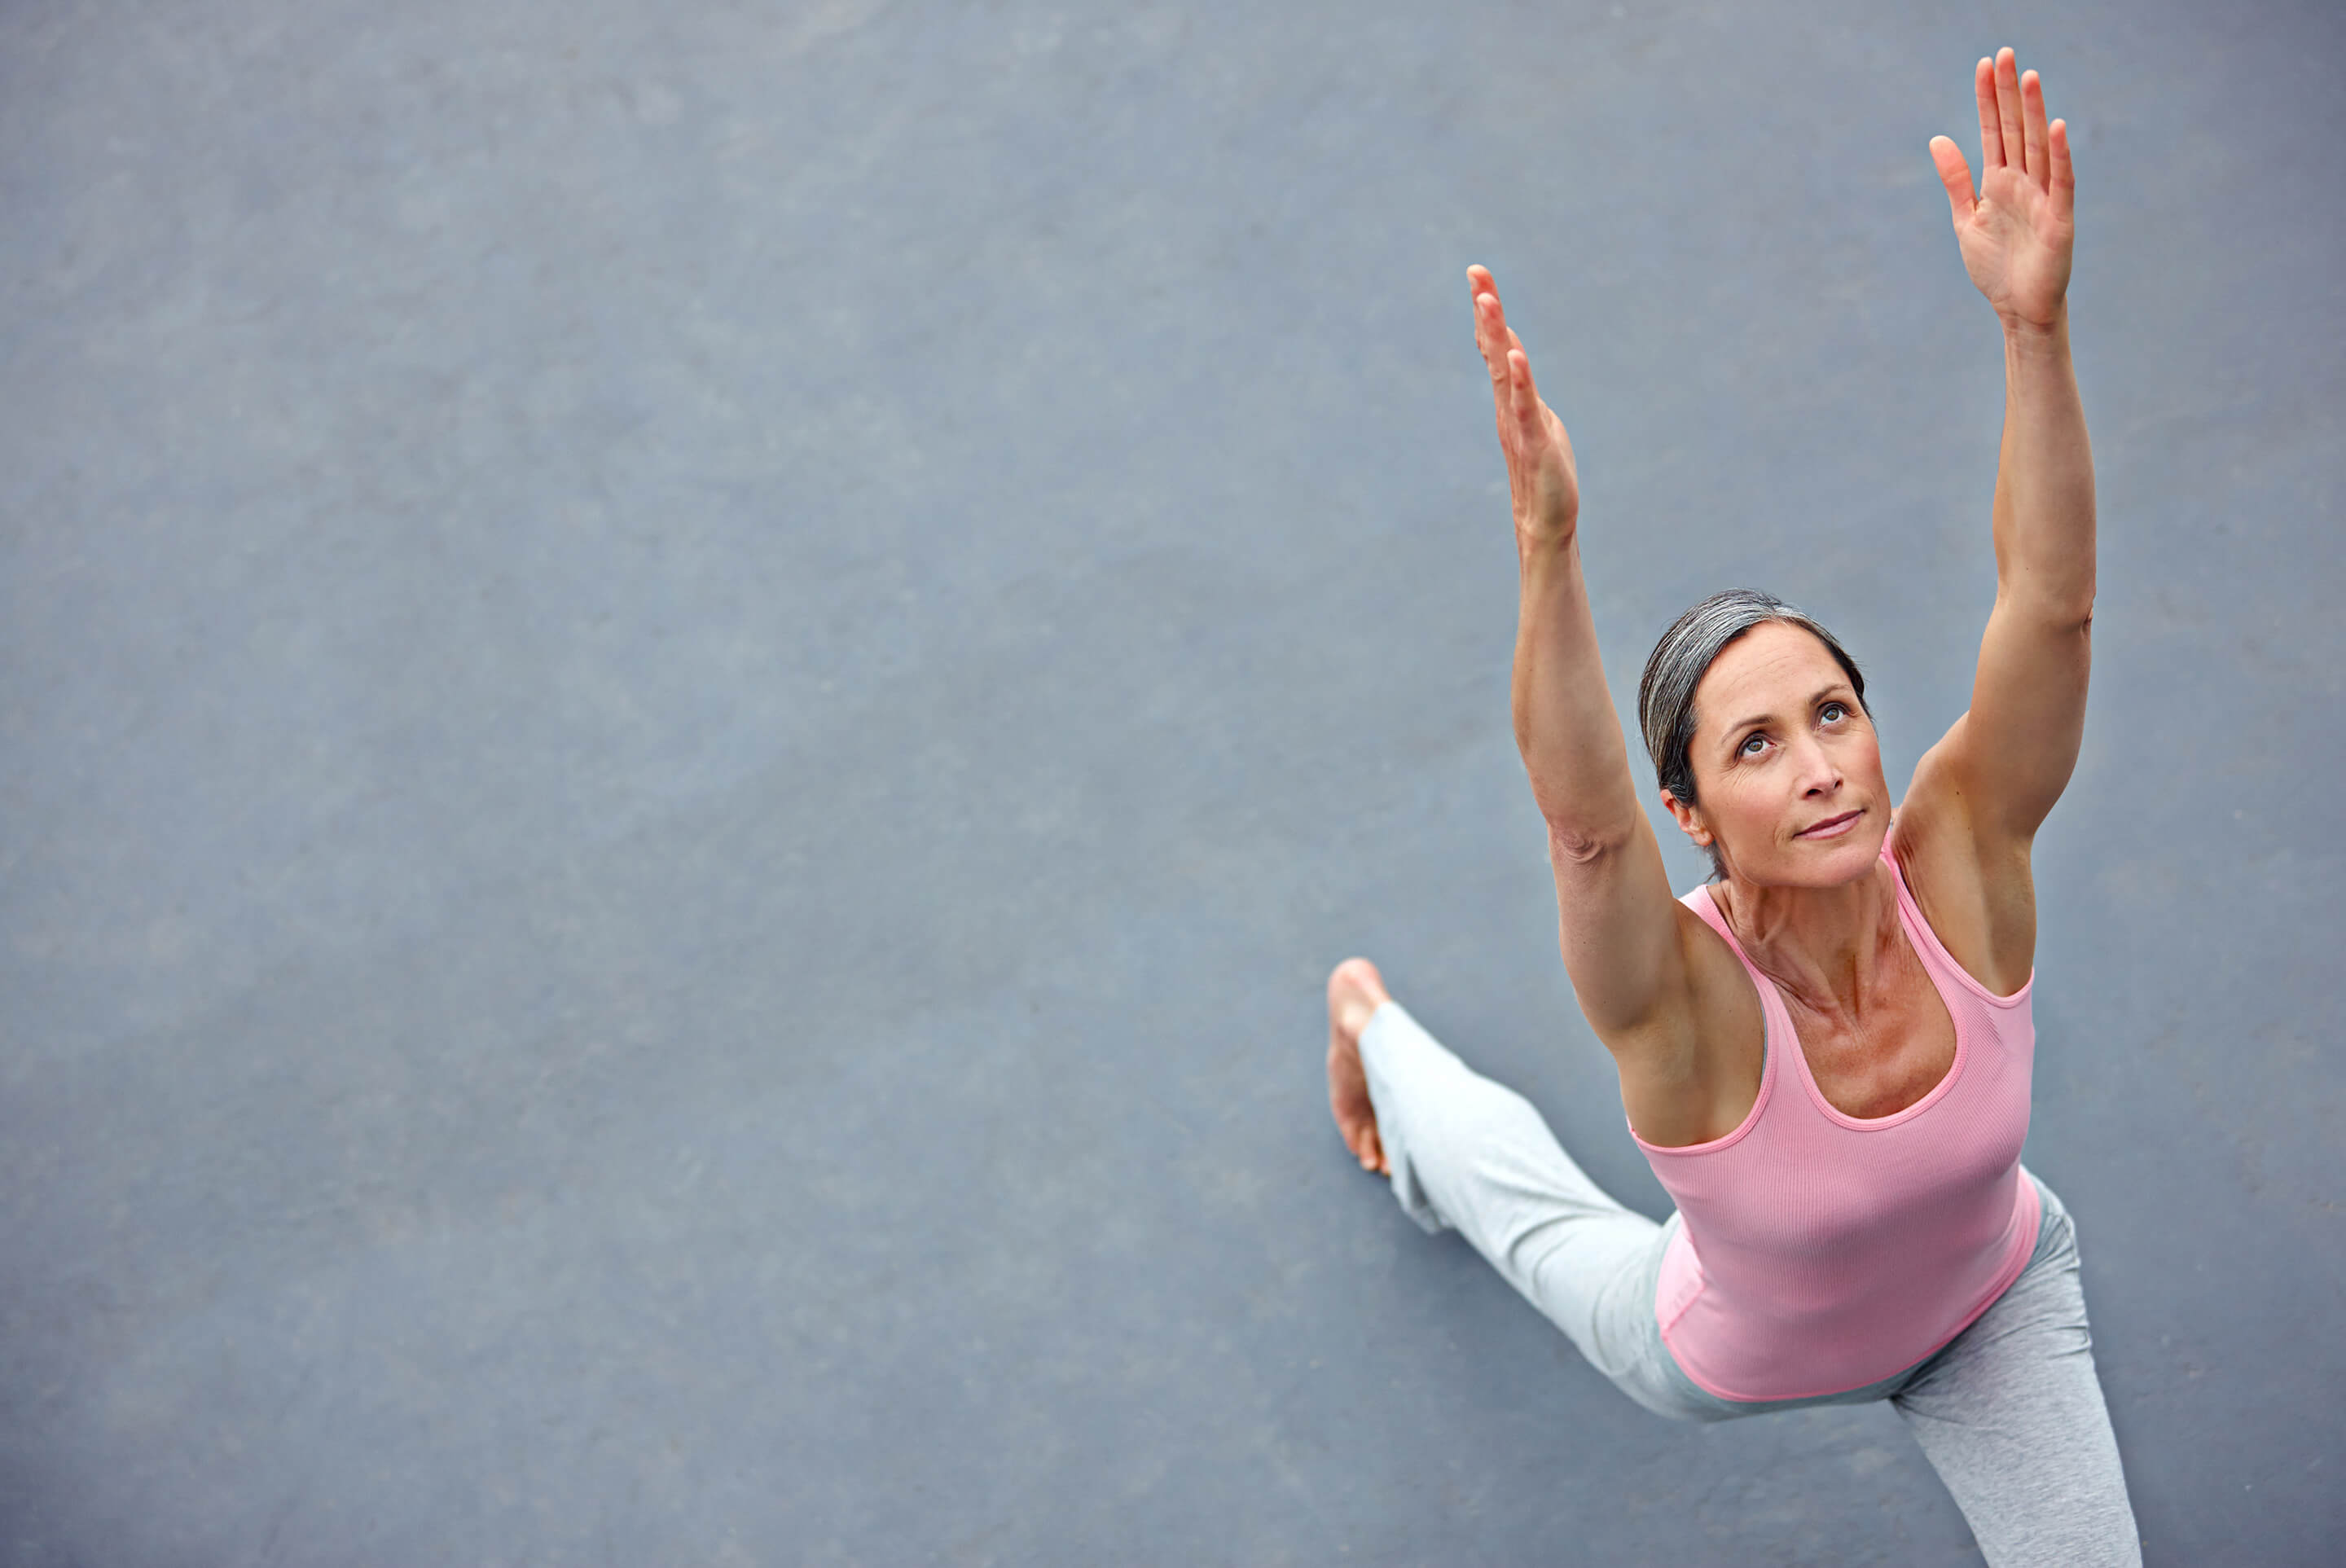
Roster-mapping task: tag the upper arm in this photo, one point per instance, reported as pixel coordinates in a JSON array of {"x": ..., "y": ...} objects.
[
  {"x": 1975, "y": 884},
  {"x": 1626, "y": 944},
  {"x": 1661, "y": 989},
  {"x": 2012, "y": 754}
]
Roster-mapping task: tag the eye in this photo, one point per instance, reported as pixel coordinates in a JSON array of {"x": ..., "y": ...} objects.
[
  {"x": 1751, "y": 744},
  {"x": 1833, "y": 711}
]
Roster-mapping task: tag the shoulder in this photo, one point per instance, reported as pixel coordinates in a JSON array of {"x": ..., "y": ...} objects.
[
  {"x": 1692, "y": 1074},
  {"x": 1978, "y": 895},
  {"x": 1713, "y": 990}
]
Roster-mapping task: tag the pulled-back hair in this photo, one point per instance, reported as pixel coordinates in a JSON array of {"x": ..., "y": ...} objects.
[{"x": 1665, "y": 692}]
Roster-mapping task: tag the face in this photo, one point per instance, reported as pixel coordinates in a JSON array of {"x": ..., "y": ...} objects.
[{"x": 1786, "y": 764}]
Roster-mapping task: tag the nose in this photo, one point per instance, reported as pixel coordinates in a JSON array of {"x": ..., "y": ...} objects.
[{"x": 1820, "y": 774}]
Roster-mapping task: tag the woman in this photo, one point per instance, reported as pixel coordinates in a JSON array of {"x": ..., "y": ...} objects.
[{"x": 1825, "y": 1052}]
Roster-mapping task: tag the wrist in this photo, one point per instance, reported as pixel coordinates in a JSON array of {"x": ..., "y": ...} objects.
[
  {"x": 1548, "y": 541},
  {"x": 2023, "y": 336}
]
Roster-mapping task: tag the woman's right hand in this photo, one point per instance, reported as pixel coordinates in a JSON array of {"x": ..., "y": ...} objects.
[{"x": 1540, "y": 478}]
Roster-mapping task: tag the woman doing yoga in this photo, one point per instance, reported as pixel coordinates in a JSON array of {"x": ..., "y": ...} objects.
[{"x": 1825, "y": 1052}]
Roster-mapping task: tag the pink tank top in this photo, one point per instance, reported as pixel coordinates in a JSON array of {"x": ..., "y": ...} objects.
[{"x": 1819, "y": 1252}]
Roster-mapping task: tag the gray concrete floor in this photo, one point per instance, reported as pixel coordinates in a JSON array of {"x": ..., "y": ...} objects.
[{"x": 694, "y": 695}]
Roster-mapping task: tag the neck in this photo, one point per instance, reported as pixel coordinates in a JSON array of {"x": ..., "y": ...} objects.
[{"x": 1820, "y": 945}]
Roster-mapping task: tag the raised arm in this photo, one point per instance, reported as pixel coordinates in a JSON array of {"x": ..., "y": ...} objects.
[
  {"x": 2010, "y": 757},
  {"x": 1617, "y": 921}
]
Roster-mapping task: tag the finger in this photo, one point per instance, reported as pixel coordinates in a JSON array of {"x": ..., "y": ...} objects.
[
  {"x": 1493, "y": 316},
  {"x": 2007, "y": 109},
  {"x": 1502, "y": 384},
  {"x": 1480, "y": 282},
  {"x": 2032, "y": 120},
  {"x": 2063, "y": 187},
  {"x": 1516, "y": 345},
  {"x": 1510, "y": 395},
  {"x": 1490, "y": 339},
  {"x": 1955, "y": 174},
  {"x": 1519, "y": 368},
  {"x": 1991, "y": 125},
  {"x": 1508, "y": 391}
]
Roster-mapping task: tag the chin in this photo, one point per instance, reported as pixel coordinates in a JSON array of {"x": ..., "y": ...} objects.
[
  {"x": 1850, "y": 857},
  {"x": 1838, "y": 861}
]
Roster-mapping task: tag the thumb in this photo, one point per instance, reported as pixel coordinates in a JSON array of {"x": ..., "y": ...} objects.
[{"x": 1955, "y": 174}]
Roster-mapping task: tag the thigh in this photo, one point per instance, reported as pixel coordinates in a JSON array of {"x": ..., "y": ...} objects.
[
  {"x": 1471, "y": 1154},
  {"x": 2010, "y": 1415}
]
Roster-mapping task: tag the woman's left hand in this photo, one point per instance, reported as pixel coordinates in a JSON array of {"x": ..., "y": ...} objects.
[{"x": 2016, "y": 236}]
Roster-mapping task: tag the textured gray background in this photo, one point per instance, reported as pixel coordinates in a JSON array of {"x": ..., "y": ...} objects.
[{"x": 694, "y": 697}]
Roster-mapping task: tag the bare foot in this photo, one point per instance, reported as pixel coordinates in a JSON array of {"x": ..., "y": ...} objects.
[{"x": 1355, "y": 990}]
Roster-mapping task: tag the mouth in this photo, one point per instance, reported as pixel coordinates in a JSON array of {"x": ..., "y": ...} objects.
[{"x": 1831, "y": 827}]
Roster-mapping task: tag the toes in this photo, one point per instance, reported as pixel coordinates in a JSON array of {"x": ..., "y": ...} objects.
[{"x": 1354, "y": 971}]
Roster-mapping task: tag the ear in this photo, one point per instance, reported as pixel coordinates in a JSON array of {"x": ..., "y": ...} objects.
[{"x": 1688, "y": 819}]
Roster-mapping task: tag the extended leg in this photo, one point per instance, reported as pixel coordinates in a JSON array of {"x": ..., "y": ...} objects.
[
  {"x": 2010, "y": 1415},
  {"x": 1468, "y": 1153}
]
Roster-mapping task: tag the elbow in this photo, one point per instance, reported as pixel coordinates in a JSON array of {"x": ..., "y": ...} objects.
[
  {"x": 2069, "y": 610},
  {"x": 1578, "y": 844},
  {"x": 2077, "y": 609}
]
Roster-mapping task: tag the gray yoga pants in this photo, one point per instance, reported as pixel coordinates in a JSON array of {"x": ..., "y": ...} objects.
[{"x": 2009, "y": 1411}]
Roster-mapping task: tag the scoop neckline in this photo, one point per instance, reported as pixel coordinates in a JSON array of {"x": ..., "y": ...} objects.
[{"x": 1910, "y": 918}]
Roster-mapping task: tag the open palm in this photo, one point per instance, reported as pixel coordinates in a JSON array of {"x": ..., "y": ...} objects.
[
  {"x": 1542, "y": 478},
  {"x": 2017, "y": 234}
]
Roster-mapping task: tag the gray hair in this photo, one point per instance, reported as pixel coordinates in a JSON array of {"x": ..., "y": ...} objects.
[{"x": 1665, "y": 692}]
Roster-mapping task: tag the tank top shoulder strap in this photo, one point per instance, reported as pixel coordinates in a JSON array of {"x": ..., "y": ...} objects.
[
  {"x": 1944, "y": 972},
  {"x": 1771, "y": 1002},
  {"x": 1703, "y": 905},
  {"x": 1775, "y": 1026}
]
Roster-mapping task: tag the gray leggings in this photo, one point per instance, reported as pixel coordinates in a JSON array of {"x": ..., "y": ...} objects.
[{"x": 2008, "y": 1412}]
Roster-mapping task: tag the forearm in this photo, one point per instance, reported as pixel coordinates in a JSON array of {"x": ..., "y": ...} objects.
[
  {"x": 1565, "y": 727},
  {"x": 2044, "y": 479}
]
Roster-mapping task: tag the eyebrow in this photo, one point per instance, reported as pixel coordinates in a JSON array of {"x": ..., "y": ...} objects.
[{"x": 1821, "y": 693}]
